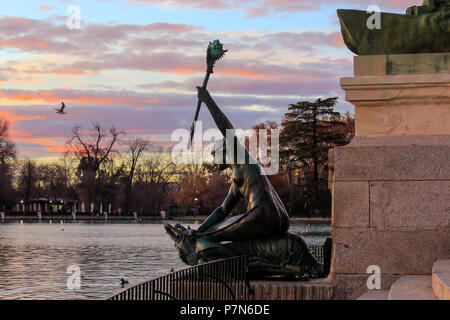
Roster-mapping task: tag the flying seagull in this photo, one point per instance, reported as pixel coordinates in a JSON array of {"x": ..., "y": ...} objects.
[{"x": 61, "y": 110}]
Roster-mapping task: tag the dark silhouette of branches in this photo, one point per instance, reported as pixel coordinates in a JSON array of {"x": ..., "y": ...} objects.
[
  {"x": 7, "y": 147},
  {"x": 93, "y": 151},
  {"x": 135, "y": 150}
]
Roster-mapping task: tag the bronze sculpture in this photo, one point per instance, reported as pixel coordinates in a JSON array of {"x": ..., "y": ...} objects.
[
  {"x": 269, "y": 217},
  {"x": 284, "y": 255},
  {"x": 261, "y": 233},
  {"x": 429, "y": 6},
  {"x": 423, "y": 29}
]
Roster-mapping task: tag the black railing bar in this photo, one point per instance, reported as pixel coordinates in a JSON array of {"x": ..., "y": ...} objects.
[
  {"x": 222, "y": 282},
  {"x": 214, "y": 263},
  {"x": 168, "y": 295},
  {"x": 174, "y": 272}
]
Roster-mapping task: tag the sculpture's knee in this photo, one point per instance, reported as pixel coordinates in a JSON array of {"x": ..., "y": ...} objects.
[{"x": 205, "y": 243}]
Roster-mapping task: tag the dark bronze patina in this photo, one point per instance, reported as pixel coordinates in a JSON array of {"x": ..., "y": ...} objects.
[
  {"x": 423, "y": 29},
  {"x": 261, "y": 232}
]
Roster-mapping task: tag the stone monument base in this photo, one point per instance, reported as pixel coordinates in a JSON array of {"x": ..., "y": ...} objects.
[
  {"x": 391, "y": 208},
  {"x": 391, "y": 185},
  {"x": 407, "y": 94},
  {"x": 313, "y": 289}
]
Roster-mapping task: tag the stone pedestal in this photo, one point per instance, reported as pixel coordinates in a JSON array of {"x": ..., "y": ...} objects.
[
  {"x": 400, "y": 94},
  {"x": 391, "y": 184},
  {"x": 314, "y": 289}
]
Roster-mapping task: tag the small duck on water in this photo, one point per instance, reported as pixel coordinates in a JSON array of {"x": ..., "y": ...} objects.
[{"x": 123, "y": 282}]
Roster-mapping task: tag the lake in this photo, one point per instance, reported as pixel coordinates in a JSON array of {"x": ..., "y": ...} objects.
[{"x": 34, "y": 257}]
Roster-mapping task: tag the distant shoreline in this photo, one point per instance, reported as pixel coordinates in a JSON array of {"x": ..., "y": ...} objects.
[{"x": 69, "y": 218}]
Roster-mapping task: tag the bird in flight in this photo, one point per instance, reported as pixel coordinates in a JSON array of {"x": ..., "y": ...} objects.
[{"x": 61, "y": 110}]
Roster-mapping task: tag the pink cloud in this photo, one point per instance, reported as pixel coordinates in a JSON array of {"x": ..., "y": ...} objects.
[
  {"x": 256, "y": 8},
  {"x": 200, "y": 4},
  {"x": 305, "y": 40},
  {"x": 46, "y": 8},
  {"x": 137, "y": 57},
  {"x": 143, "y": 48},
  {"x": 254, "y": 77},
  {"x": 256, "y": 11},
  {"x": 42, "y": 36},
  {"x": 177, "y": 63},
  {"x": 12, "y": 26}
]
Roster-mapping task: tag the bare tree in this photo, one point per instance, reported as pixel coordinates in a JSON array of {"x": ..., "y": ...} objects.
[
  {"x": 28, "y": 179},
  {"x": 193, "y": 186},
  {"x": 136, "y": 148},
  {"x": 7, "y": 152},
  {"x": 93, "y": 151},
  {"x": 153, "y": 180},
  {"x": 7, "y": 147},
  {"x": 54, "y": 180}
]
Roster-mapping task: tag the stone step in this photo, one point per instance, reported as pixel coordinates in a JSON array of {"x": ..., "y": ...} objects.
[
  {"x": 441, "y": 279},
  {"x": 375, "y": 295},
  {"x": 314, "y": 289},
  {"x": 412, "y": 287}
]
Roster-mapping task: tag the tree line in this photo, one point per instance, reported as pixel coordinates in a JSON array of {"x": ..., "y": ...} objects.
[{"x": 102, "y": 166}]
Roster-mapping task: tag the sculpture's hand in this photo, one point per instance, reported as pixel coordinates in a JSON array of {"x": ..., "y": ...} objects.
[{"x": 203, "y": 95}]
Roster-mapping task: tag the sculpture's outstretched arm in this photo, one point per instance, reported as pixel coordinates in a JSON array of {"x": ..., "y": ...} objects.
[
  {"x": 219, "y": 117},
  {"x": 221, "y": 120},
  {"x": 223, "y": 123},
  {"x": 221, "y": 212}
]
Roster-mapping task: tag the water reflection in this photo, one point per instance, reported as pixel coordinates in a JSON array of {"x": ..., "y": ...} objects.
[{"x": 34, "y": 257}]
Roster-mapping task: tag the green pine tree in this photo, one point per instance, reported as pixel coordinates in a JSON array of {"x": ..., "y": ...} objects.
[{"x": 308, "y": 131}]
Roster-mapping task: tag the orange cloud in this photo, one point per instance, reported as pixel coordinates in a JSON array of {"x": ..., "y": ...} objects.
[
  {"x": 245, "y": 74},
  {"x": 14, "y": 117},
  {"x": 71, "y": 73},
  {"x": 49, "y": 96},
  {"x": 33, "y": 140},
  {"x": 23, "y": 136},
  {"x": 184, "y": 71},
  {"x": 102, "y": 100},
  {"x": 46, "y": 8},
  {"x": 56, "y": 149}
]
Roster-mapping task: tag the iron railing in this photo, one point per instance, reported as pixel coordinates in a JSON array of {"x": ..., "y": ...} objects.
[{"x": 224, "y": 279}]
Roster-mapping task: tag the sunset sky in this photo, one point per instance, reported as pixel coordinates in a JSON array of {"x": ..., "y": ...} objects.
[{"x": 134, "y": 64}]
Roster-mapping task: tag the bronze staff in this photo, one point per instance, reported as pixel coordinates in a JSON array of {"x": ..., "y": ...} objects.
[{"x": 214, "y": 52}]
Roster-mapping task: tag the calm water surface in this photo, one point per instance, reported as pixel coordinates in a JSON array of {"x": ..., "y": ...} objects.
[{"x": 34, "y": 257}]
